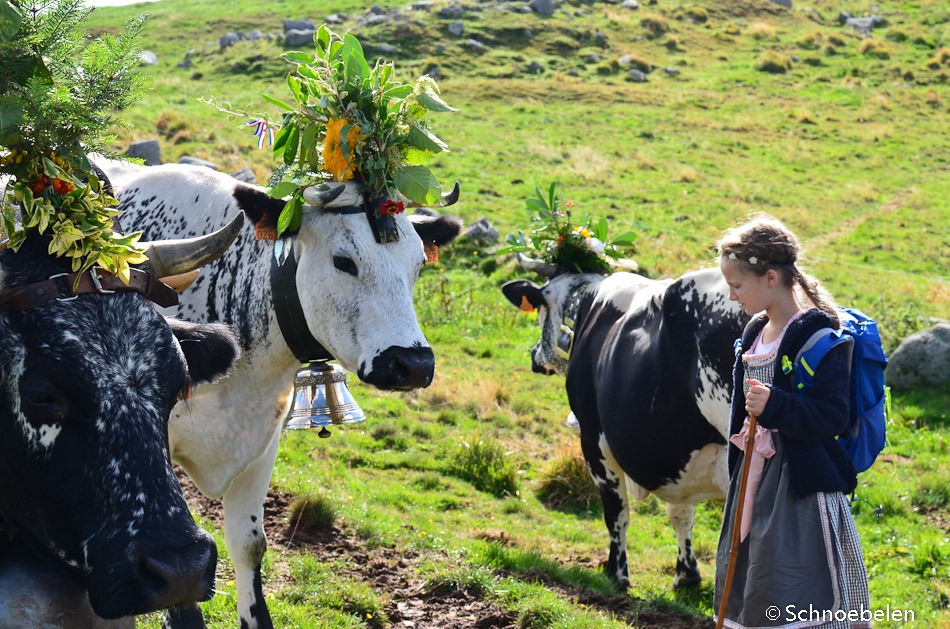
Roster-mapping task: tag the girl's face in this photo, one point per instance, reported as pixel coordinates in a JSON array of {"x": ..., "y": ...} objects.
[{"x": 754, "y": 293}]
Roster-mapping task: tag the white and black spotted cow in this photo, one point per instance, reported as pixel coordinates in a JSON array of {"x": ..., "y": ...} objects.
[
  {"x": 86, "y": 387},
  {"x": 356, "y": 296},
  {"x": 649, "y": 378}
]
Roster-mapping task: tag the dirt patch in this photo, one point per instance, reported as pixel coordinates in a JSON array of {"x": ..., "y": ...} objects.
[{"x": 411, "y": 606}]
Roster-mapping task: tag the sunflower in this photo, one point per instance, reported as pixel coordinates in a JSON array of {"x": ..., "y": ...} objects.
[{"x": 335, "y": 162}]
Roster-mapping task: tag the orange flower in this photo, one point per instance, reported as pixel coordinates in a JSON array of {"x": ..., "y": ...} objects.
[
  {"x": 334, "y": 161},
  {"x": 40, "y": 184},
  {"x": 62, "y": 187}
]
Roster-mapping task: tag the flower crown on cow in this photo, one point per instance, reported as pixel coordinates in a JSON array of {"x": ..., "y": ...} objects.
[
  {"x": 57, "y": 100},
  {"x": 566, "y": 241},
  {"x": 350, "y": 121}
]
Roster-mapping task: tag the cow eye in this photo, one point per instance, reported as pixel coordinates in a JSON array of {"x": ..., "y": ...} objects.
[
  {"x": 41, "y": 403},
  {"x": 345, "y": 264}
]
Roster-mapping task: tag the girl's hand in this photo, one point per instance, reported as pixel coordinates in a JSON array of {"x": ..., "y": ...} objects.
[{"x": 757, "y": 397}]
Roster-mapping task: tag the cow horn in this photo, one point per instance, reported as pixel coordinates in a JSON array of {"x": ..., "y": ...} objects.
[
  {"x": 541, "y": 268},
  {"x": 318, "y": 198},
  {"x": 449, "y": 198},
  {"x": 173, "y": 257}
]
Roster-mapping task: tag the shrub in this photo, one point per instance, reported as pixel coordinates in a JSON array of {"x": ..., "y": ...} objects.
[
  {"x": 875, "y": 48},
  {"x": 812, "y": 60},
  {"x": 311, "y": 512},
  {"x": 673, "y": 43},
  {"x": 486, "y": 466},
  {"x": 639, "y": 63},
  {"x": 566, "y": 484},
  {"x": 773, "y": 62},
  {"x": 761, "y": 30},
  {"x": 698, "y": 14},
  {"x": 732, "y": 29},
  {"x": 811, "y": 41},
  {"x": 806, "y": 117},
  {"x": 687, "y": 175},
  {"x": 835, "y": 40},
  {"x": 655, "y": 26},
  {"x": 896, "y": 35}
]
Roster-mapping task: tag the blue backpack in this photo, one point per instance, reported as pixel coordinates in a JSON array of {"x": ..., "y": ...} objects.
[{"x": 870, "y": 396}]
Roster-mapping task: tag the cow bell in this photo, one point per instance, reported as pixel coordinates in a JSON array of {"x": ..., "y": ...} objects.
[{"x": 321, "y": 399}]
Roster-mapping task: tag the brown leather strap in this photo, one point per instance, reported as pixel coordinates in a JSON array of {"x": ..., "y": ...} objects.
[{"x": 96, "y": 280}]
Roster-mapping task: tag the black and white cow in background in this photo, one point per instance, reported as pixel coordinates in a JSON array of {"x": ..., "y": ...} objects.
[
  {"x": 86, "y": 387},
  {"x": 356, "y": 295},
  {"x": 649, "y": 380}
]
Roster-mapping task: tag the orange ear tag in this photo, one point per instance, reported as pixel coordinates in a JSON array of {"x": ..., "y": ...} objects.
[
  {"x": 265, "y": 232},
  {"x": 526, "y": 305},
  {"x": 186, "y": 392},
  {"x": 431, "y": 250}
]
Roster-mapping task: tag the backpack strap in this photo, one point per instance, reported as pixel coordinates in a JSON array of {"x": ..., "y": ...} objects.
[{"x": 811, "y": 353}]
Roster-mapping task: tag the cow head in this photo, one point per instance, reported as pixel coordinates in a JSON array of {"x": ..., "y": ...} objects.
[
  {"x": 356, "y": 294},
  {"x": 86, "y": 387}
]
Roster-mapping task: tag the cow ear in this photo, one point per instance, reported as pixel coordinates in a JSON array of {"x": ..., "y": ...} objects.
[
  {"x": 210, "y": 349},
  {"x": 440, "y": 230},
  {"x": 520, "y": 291},
  {"x": 261, "y": 209}
]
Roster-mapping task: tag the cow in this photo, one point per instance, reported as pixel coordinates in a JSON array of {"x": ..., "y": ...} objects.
[
  {"x": 89, "y": 372},
  {"x": 648, "y": 367},
  {"x": 355, "y": 295}
]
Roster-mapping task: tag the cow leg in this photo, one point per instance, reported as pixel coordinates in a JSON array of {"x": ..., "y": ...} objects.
[
  {"x": 681, "y": 518},
  {"x": 244, "y": 535},
  {"x": 184, "y": 617},
  {"x": 611, "y": 482}
]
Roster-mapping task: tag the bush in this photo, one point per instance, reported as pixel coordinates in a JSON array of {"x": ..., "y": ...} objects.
[
  {"x": 875, "y": 48},
  {"x": 810, "y": 41},
  {"x": 761, "y": 30},
  {"x": 732, "y": 29},
  {"x": 640, "y": 64},
  {"x": 673, "y": 43},
  {"x": 486, "y": 466},
  {"x": 655, "y": 26},
  {"x": 812, "y": 60},
  {"x": 698, "y": 14},
  {"x": 311, "y": 512},
  {"x": 896, "y": 35},
  {"x": 773, "y": 62},
  {"x": 566, "y": 484}
]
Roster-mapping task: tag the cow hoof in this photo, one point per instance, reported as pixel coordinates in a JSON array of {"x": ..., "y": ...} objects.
[{"x": 686, "y": 580}]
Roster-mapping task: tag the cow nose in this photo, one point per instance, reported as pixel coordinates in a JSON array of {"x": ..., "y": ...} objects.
[
  {"x": 175, "y": 577},
  {"x": 402, "y": 368}
]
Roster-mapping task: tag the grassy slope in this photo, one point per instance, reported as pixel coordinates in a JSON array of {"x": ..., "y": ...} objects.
[{"x": 852, "y": 153}]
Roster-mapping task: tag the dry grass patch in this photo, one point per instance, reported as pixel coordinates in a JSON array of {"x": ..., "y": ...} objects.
[
  {"x": 687, "y": 175},
  {"x": 874, "y": 47},
  {"x": 773, "y": 62},
  {"x": 566, "y": 484},
  {"x": 762, "y": 30}
]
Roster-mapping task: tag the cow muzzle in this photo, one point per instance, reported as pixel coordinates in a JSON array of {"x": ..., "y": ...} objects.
[{"x": 401, "y": 368}]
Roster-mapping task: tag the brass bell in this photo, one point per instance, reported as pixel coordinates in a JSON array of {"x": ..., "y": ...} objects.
[{"x": 321, "y": 399}]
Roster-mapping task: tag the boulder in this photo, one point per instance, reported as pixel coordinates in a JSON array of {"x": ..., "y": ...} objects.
[
  {"x": 422, "y": 5},
  {"x": 542, "y": 7},
  {"x": 384, "y": 49},
  {"x": 783, "y": 3},
  {"x": 452, "y": 12},
  {"x": 184, "y": 63},
  {"x": 922, "y": 359},
  {"x": 197, "y": 161},
  {"x": 535, "y": 68},
  {"x": 863, "y": 25},
  {"x": 298, "y": 25},
  {"x": 629, "y": 4},
  {"x": 149, "y": 150},
  {"x": 245, "y": 174},
  {"x": 148, "y": 58},
  {"x": 378, "y": 10},
  {"x": 227, "y": 40},
  {"x": 298, "y": 37},
  {"x": 672, "y": 70},
  {"x": 456, "y": 28},
  {"x": 333, "y": 20},
  {"x": 475, "y": 45},
  {"x": 482, "y": 231},
  {"x": 255, "y": 35},
  {"x": 637, "y": 76},
  {"x": 374, "y": 18}
]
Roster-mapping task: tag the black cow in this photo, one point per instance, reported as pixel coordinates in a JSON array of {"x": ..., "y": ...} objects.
[
  {"x": 86, "y": 387},
  {"x": 649, "y": 375}
]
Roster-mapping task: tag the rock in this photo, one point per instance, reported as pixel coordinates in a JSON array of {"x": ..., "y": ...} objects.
[
  {"x": 542, "y": 7},
  {"x": 184, "y": 63},
  {"x": 384, "y": 49},
  {"x": 864, "y": 25},
  {"x": 629, "y": 4},
  {"x": 197, "y": 161},
  {"x": 378, "y": 10},
  {"x": 245, "y": 174},
  {"x": 580, "y": 13},
  {"x": 333, "y": 20},
  {"x": 374, "y": 18},
  {"x": 482, "y": 231},
  {"x": 148, "y": 58},
  {"x": 149, "y": 150},
  {"x": 922, "y": 359},
  {"x": 524, "y": 8},
  {"x": 593, "y": 58},
  {"x": 573, "y": 73},
  {"x": 843, "y": 18},
  {"x": 671, "y": 70},
  {"x": 435, "y": 72},
  {"x": 637, "y": 76},
  {"x": 452, "y": 12},
  {"x": 298, "y": 25},
  {"x": 600, "y": 39},
  {"x": 424, "y": 5},
  {"x": 255, "y": 35},
  {"x": 227, "y": 40},
  {"x": 298, "y": 37},
  {"x": 456, "y": 28},
  {"x": 784, "y": 3},
  {"x": 535, "y": 68},
  {"x": 440, "y": 48},
  {"x": 475, "y": 45}
]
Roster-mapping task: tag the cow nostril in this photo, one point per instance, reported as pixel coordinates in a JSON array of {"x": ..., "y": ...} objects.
[{"x": 153, "y": 574}]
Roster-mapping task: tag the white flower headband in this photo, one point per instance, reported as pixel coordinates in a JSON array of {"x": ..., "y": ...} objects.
[{"x": 751, "y": 260}]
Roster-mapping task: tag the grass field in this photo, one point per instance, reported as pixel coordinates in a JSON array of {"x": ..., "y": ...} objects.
[{"x": 848, "y": 145}]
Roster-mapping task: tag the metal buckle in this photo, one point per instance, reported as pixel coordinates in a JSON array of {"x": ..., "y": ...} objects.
[
  {"x": 564, "y": 344},
  {"x": 53, "y": 277},
  {"x": 95, "y": 281}
]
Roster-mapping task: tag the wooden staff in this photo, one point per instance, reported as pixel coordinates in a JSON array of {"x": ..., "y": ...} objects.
[{"x": 737, "y": 525}]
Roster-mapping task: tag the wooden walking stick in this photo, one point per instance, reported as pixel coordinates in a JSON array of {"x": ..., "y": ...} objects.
[{"x": 737, "y": 525}]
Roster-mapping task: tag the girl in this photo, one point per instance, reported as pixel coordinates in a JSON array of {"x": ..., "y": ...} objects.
[{"x": 799, "y": 562}]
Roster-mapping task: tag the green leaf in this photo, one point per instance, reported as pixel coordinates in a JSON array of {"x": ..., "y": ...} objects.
[
  {"x": 290, "y": 151},
  {"x": 308, "y": 73},
  {"x": 281, "y": 139},
  {"x": 353, "y": 57},
  {"x": 10, "y": 20},
  {"x": 294, "y": 84},
  {"x": 422, "y": 139},
  {"x": 288, "y": 216},
  {"x": 282, "y": 189},
  {"x": 322, "y": 39},
  {"x": 417, "y": 183},
  {"x": 400, "y": 91},
  {"x": 415, "y": 156},
  {"x": 433, "y": 102},
  {"x": 600, "y": 230},
  {"x": 11, "y": 115},
  {"x": 624, "y": 238},
  {"x": 298, "y": 57},
  {"x": 279, "y": 103}
]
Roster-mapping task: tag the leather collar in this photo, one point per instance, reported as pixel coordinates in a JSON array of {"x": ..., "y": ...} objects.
[
  {"x": 64, "y": 287},
  {"x": 286, "y": 301}
]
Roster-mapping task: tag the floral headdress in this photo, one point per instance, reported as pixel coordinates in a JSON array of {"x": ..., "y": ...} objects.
[
  {"x": 570, "y": 242},
  {"x": 751, "y": 259},
  {"x": 349, "y": 121},
  {"x": 52, "y": 112}
]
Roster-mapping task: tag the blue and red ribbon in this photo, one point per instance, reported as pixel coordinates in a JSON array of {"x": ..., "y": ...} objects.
[{"x": 262, "y": 130}]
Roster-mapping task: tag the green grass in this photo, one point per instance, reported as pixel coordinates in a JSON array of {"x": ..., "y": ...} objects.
[{"x": 848, "y": 146}]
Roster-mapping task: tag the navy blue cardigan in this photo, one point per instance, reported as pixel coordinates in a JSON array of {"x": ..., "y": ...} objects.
[{"x": 808, "y": 421}]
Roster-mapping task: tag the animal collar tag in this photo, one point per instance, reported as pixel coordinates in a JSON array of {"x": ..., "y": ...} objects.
[
  {"x": 432, "y": 251},
  {"x": 526, "y": 305},
  {"x": 564, "y": 344},
  {"x": 286, "y": 301}
]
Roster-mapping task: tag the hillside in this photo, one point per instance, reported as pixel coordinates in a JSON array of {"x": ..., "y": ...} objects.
[{"x": 738, "y": 105}]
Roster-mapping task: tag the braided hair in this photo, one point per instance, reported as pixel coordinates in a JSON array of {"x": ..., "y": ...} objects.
[{"x": 764, "y": 243}]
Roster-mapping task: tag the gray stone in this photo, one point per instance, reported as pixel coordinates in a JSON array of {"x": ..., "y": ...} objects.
[
  {"x": 184, "y": 63},
  {"x": 298, "y": 25},
  {"x": 148, "y": 58},
  {"x": 385, "y": 49},
  {"x": 864, "y": 25},
  {"x": 439, "y": 48},
  {"x": 673, "y": 71},
  {"x": 843, "y": 17},
  {"x": 378, "y": 10},
  {"x": 474, "y": 44},
  {"x": 922, "y": 359},
  {"x": 255, "y": 35},
  {"x": 149, "y": 150},
  {"x": 375, "y": 18},
  {"x": 333, "y": 20},
  {"x": 197, "y": 161},
  {"x": 228, "y": 39},
  {"x": 580, "y": 13},
  {"x": 600, "y": 39},
  {"x": 784, "y": 3},
  {"x": 424, "y": 5},
  {"x": 298, "y": 38},
  {"x": 524, "y": 8},
  {"x": 528, "y": 33},
  {"x": 435, "y": 72},
  {"x": 482, "y": 231},
  {"x": 637, "y": 76},
  {"x": 573, "y": 73},
  {"x": 542, "y": 7},
  {"x": 245, "y": 174},
  {"x": 629, "y": 4},
  {"x": 452, "y": 12},
  {"x": 535, "y": 68},
  {"x": 456, "y": 28}
]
